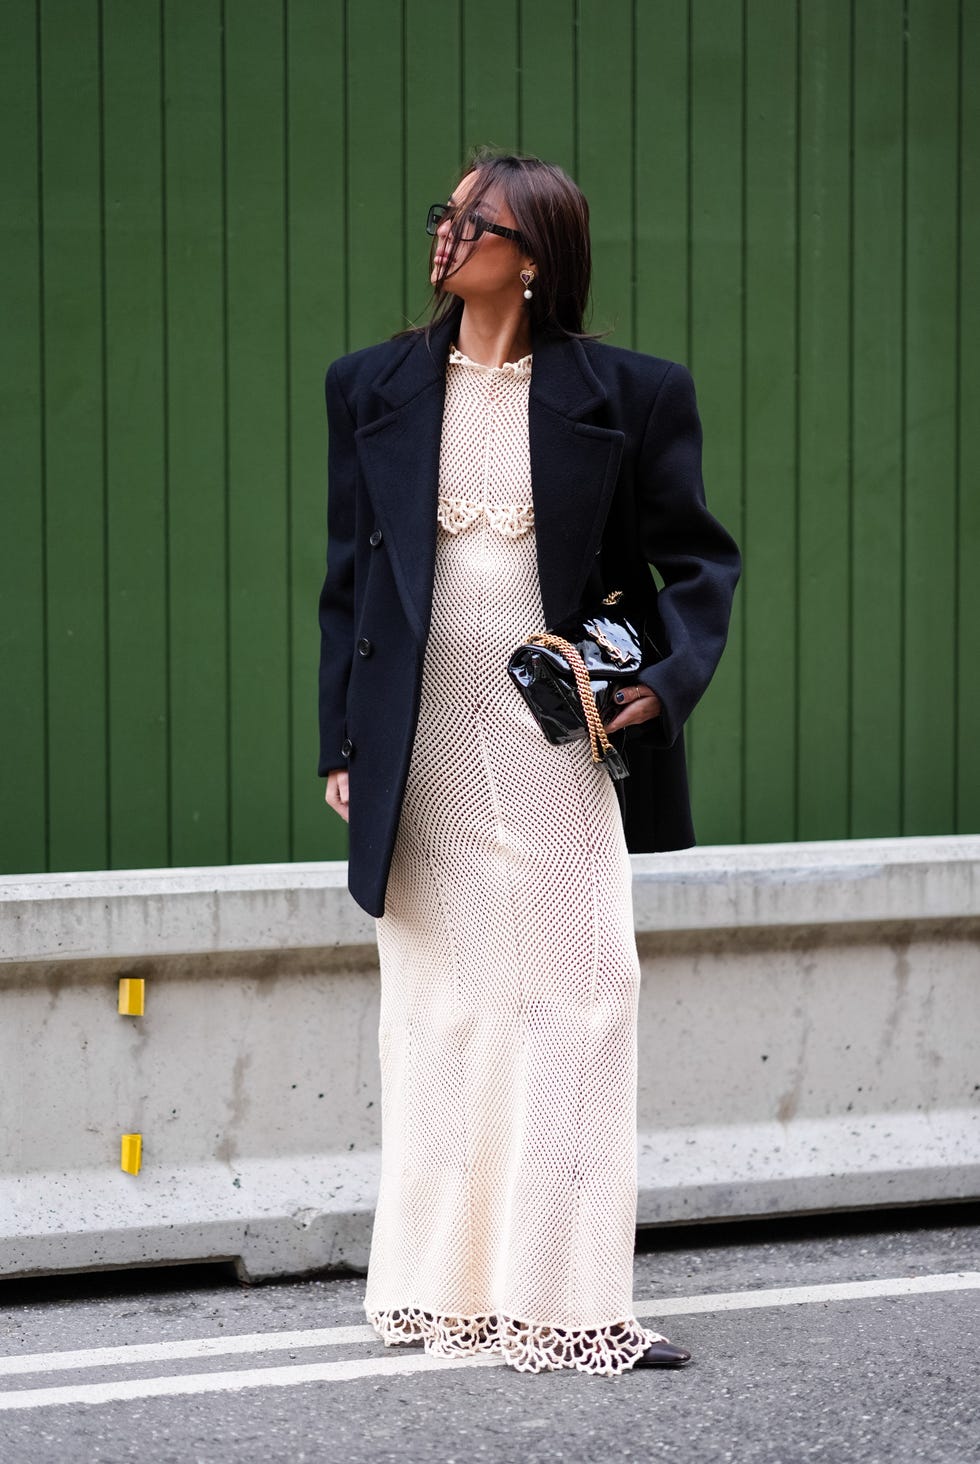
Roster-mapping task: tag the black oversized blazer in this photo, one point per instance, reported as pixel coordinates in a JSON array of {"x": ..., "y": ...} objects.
[{"x": 615, "y": 446}]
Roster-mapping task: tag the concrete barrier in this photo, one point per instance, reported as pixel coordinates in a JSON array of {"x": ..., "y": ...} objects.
[{"x": 809, "y": 1041}]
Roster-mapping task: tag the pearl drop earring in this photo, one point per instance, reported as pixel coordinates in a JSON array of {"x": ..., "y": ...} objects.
[{"x": 527, "y": 275}]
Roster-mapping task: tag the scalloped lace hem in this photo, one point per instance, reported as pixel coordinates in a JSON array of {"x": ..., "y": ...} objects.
[{"x": 527, "y": 1346}]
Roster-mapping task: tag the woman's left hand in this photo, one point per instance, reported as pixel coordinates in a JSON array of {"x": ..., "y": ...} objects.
[{"x": 639, "y": 703}]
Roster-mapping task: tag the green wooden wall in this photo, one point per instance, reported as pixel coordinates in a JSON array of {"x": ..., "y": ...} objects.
[{"x": 206, "y": 201}]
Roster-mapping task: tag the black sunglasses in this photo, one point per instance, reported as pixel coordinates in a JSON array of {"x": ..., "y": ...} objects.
[{"x": 468, "y": 226}]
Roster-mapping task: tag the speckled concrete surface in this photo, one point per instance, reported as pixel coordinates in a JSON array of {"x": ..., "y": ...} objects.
[
  {"x": 879, "y": 1379},
  {"x": 808, "y": 1036}
]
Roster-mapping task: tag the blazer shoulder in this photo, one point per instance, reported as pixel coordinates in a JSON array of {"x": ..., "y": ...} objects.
[
  {"x": 360, "y": 366},
  {"x": 621, "y": 361},
  {"x": 635, "y": 380}
]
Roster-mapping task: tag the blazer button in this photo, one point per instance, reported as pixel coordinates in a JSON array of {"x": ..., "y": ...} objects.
[
  {"x": 364, "y": 646},
  {"x": 346, "y": 747},
  {"x": 376, "y": 538}
]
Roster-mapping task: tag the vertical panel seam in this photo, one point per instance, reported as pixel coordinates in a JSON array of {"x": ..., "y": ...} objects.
[
  {"x": 165, "y": 451},
  {"x": 520, "y": 76},
  {"x": 288, "y": 436},
  {"x": 106, "y": 599},
  {"x": 461, "y": 11},
  {"x": 689, "y": 200},
  {"x": 346, "y": 232},
  {"x": 957, "y": 427},
  {"x": 459, "y": 104},
  {"x": 903, "y": 426},
  {"x": 851, "y": 240},
  {"x": 633, "y": 209},
  {"x": 576, "y": 22},
  {"x": 690, "y": 747},
  {"x": 43, "y": 442},
  {"x": 403, "y": 74},
  {"x": 229, "y": 830},
  {"x": 345, "y": 150},
  {"x": 797, "y": 413},
  {"x": 743, "y": 372}
]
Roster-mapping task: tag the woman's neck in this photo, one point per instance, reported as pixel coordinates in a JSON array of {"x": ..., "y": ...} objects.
[{"x": 491, "y": 336}]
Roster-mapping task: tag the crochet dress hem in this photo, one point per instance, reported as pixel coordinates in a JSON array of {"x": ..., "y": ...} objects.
[{"x": 526, "y": 1346}]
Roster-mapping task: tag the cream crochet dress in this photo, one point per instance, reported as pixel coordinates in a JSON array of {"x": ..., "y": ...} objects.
[{"x": 509, "y": 974}]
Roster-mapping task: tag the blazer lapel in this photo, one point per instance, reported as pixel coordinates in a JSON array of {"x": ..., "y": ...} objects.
[
  {"x": 574, "y": 466},
  {"x": 399, "y": 455}
]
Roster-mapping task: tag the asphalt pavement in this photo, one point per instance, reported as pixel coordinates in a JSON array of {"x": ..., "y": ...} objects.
[{"x": 845, "y": 1339}]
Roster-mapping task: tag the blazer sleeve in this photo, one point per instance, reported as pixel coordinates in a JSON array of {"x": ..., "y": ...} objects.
[
  {"x": 336, "y": 612},
  {"x": 695, "y": 555}
]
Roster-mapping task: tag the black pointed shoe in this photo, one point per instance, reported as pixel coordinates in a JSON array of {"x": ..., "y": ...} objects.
[{"x": 663, "y": 1354}]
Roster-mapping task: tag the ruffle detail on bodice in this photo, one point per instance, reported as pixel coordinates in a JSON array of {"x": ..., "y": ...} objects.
[
  {"x": 525, "y": 1345},
  {"x": 509, "y": 519},
  {"x": 521, "y": 367}
]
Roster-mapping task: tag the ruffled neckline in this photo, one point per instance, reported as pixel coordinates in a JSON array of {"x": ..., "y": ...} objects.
[{"x": 521, "y": 367}]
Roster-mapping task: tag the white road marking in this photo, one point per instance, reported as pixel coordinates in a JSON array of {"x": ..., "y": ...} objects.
[
  {"x": 418, "y": 1361},
  {"x": 249, "y": 1377},
  {"x": 793, "y": 1295},
  {"x": 219, "y": 1346}
]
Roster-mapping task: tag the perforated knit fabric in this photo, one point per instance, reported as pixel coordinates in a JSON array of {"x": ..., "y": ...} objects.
[{"x": 509, "y": 974}]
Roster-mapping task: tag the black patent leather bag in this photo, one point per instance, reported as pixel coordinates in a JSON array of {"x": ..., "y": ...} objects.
[{"x": 568, "y": 675}]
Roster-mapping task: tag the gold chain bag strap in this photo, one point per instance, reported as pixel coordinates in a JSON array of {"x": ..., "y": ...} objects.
[
  {"x": 568, "y": 674},
  {"x": 593, "y": 722}
]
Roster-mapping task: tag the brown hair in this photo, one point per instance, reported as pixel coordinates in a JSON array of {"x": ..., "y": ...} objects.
[{"x": 552, "y": 215}]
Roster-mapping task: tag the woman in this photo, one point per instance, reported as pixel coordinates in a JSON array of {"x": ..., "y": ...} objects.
[{"x": 488, "y": 474}]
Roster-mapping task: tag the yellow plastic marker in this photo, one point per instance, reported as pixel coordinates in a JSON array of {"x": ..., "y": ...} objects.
[
  {"x": 132, "y": 1153},
  {"x": 132, "y": 996}
]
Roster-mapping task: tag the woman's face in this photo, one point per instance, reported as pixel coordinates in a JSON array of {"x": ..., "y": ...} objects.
[{"x": 487, "y": 266}]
